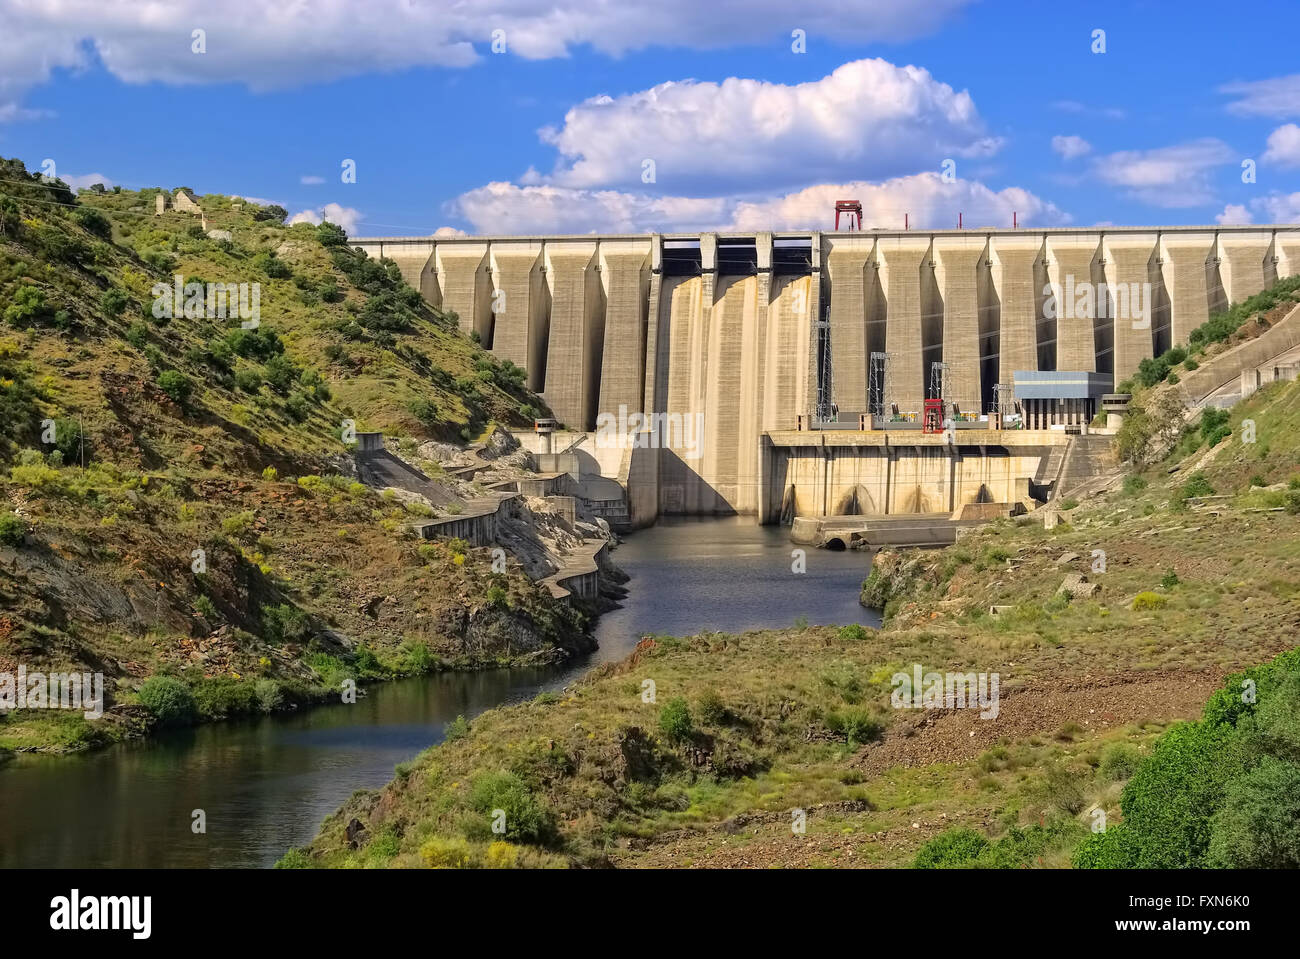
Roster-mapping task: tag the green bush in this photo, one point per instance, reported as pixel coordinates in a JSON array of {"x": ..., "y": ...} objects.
[
  {"x": 284, "y": 624},
  {"x": 268, "y": 693},
  {"x": 1197, "y": 485},
  {"x": 224, "y": 696},
  {"x": 170, "y": 700},
  {"x": 114, "y": 302},
  {"x": 248, "y": 380},
  {"x": 856, "y": 725},
  {"x": 710, "y": 708},
  {"x": 853, "y": 632},
  {"x": 953, "y": 848},
  {"x": 1134, "y": 484},
  {"x": 176, "y": 385},
  {"x": 526, "y": 820},
  {"x": 675, "y": 720},
  {"x": 1169, "y": 802},
  {"x": 297, "y": 408},
  {"x": 1258, "y": 826},
  {"x": 458, "y": 728},
  {"x": 1119, "y": 762},
  {"x": 425, "y": 411},
  {"x": 12, "y": 529}
]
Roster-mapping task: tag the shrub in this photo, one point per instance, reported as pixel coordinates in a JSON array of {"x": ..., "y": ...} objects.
[
  {"x": 1170, "y": 579},
  {"x": 270, "y": 474},
  {"x": 224, "y": 696},
  {"x": 853, "y": 632},
  {"x": 92, "y": 221},
  {"x": 425, "y": 411},
  {"x": 170, "y": 700},
  {"x": 710, "y": 708},
  {"x": 297, "y": 408},
  {"x": 294, "y": 859},
  {"x": 284, "y": 623},
  {"x": 248, "y": 380},
  {"x": 205, "y": 607},
  {"x": 1119, "y": 762},
  {"x": 176, "y": 385},
  {"x": 1134, "y": 484},
  {"x": 268, "y": 693},
  {"x": 675, "y": 720},
  {"x": 525, "y": 818},
  {"x": 114, "y": 302},
  {"x": 1197, "y": 485},
  {"x": 1258, "y": 826},
  {"x": 1171, "y": 798},
  {"x": 417, "y": 658},
  {"x": 953, "y": 848},
  {"x": 857, "y": 725},
  {"x": 457, "y": 729},
  {"x": 12, "y": 529},
  {"x": 445, "y": 853},
  {"x": 1149, "y": 601},
  {"x": 501, "y": 855},
  {"x": 238, "y": 524}
]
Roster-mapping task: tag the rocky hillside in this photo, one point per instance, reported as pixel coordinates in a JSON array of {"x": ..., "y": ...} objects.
[{"x": 181, "y": 508}]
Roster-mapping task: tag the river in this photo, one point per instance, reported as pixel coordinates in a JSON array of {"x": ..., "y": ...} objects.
[{"x": 265, "y": 784}]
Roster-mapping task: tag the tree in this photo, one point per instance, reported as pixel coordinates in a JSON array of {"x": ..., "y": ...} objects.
[
  {"x": 273, "y": 212},
  {"x": 331, "y": 234}
]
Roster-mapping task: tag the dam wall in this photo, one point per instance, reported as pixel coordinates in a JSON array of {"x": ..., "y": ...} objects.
[{"x": 724, "y": 339}]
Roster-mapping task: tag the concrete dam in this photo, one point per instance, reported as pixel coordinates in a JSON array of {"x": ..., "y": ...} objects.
[{"x": 705, "y": 356}]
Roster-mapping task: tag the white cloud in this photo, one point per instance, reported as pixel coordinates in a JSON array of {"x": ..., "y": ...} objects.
[
  {"x": 1234, "y": 214},
  {"x": 1074, "y": 106},
  {"x": 508, "y": 208},
  {"x": 1275, "y": 97},
  {"x": 87, "y": 180},
  {"x": 1173, "y": 176},
  {"x": 259, "y": 200},
  {"x": 449, "y": 231},
  {"x": 316, "y": 42},
  {"x": 344, "y": 216},
  {"x": 1279, "y": 207},
  {"x": 928, "y": 201},
  {"x": 310, "y": 179},
  {"x": 1070, "y": 146},
  {"x": 868, "y": 117},
  {"x": 1284, "y": 146}
]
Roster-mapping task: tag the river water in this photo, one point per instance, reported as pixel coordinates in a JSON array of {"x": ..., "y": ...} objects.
[{"x": 265, "y": 784}]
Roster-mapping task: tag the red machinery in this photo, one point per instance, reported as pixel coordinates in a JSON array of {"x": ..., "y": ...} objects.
[
  {"x": 932, "y": 417},
  {"x": 852, "y": 210}
]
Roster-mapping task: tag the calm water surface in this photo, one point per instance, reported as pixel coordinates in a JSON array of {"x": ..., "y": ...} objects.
[{"x": 266, "y": 784}]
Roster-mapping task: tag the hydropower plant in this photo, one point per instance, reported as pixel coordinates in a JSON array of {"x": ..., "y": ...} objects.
[{"x": 812, "y": 361}]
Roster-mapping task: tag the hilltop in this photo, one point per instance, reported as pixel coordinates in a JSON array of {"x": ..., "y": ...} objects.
[{"x": 216, "y": 553}]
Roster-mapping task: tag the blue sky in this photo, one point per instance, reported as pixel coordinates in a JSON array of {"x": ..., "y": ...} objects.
[{"x": 448, "y": 134}]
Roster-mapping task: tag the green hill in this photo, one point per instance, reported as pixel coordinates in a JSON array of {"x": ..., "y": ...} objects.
[{"x": 226, "y": 434}]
